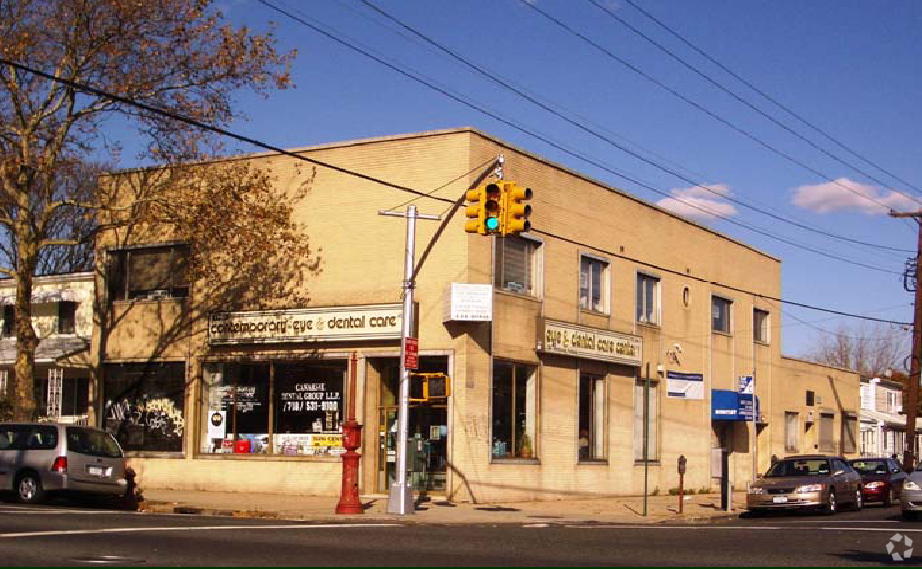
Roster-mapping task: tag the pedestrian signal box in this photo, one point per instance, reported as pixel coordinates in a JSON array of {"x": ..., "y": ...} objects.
[{"x": 434, "y": 386}]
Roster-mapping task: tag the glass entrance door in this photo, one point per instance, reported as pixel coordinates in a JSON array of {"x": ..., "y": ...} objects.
[{"x": 427, "y": 455}]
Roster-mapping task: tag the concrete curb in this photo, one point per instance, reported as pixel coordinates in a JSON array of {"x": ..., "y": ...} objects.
[{"x": 184, "y": 509}]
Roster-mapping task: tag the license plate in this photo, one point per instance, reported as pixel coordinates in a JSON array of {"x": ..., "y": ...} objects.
[
  {"x": 780, "y": 500},
  {"x": 96, "y": 470}
]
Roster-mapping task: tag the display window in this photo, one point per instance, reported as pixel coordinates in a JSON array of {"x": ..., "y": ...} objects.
[
  {"x": 287, "y": 408},
  {"x": 144, "y": 405}
]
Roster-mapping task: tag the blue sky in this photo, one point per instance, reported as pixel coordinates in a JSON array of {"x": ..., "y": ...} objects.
[{"x": 850, "y": 68}]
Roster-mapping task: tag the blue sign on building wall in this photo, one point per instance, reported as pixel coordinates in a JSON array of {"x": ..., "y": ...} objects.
[{"x": 729, "y": 405}]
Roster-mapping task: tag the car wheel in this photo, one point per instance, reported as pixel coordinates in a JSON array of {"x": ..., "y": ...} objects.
[
  {"x": 29, "y": 488},
  {"x": 888, "y": 499},
  {"x": 831, "y": 505}
]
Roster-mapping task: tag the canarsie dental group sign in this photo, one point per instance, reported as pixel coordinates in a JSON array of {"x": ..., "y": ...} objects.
[
  {"x": 590, "y": 343},
  {"x": 367, "y": 322}
]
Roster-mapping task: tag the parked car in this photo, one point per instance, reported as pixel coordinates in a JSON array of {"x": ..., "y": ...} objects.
[
  {"x": 911, "y": 498},
  {"x": 807, "y": 481},
  {"x": 46, "y": 457},
  {"x": 881, "y": 479}
]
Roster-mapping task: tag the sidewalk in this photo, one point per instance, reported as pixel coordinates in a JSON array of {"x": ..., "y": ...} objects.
[{"x": 660, "y": 509}]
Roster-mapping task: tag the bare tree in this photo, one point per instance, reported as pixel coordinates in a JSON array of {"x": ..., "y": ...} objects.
[
  {"x": 174, "y": 55},
  {"x": 870, "y": 350}
]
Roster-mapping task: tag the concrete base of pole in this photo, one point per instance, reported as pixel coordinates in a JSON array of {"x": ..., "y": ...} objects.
[{"x": 400, "y": 500}]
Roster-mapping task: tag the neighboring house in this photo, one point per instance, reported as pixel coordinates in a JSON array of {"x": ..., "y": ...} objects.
[
  {"x": 883, "y": 426},
  {"x": 549, "y": 357},
  {"x": 62, "y": 316}
]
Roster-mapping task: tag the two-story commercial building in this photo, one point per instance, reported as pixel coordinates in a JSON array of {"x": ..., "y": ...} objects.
[
  {"x": 62, "y": 316},
  {"x": 607, "y": 303}
]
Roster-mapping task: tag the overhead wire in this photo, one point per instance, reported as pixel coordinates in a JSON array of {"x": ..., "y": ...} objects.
[
  {"x": 549, "y": 142},
  {"x": 519, "y": 92},
  {"x": 77, "y": 85},
  {"x": 768, "y": 97},
  {"x": 705, "y": 110},
  {"x": 743, "y": 101}
]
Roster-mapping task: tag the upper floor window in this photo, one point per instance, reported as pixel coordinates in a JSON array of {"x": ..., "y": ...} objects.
[
  {"x": 67, "y": 317},
  {"x": 149, "y": 272},
  {"x": 760, "y": 325},
  {"x": 9, "y": 320},
  {"x": 593, "y": 284},
  {"x": 720, "y": 314},
  {"x": 516, "y": 265},
  {"x": 647, "y": 299},
  {"x": 894, "y": 405}
]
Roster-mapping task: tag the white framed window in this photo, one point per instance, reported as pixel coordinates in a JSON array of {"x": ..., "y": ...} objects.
[
  {"x": 791, "y": 427},
  {"x": 648, "y": 299},
  {"x": 593, "y": 284},
  {"x": 592, "y": 408},
  {"x": 4, "y": 381},
  {"x": 894, "y": 405},
  {"x": 760, "y": 325},
  {"x": 720, "y": 314},
  {"x": 652, "y": 450},
  {"x": 517, "y": 265},
  {"x": 867, "y": 396}
]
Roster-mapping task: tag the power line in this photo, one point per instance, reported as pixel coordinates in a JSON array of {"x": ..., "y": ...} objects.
[
  {"x": 704, "y": 109},
  {"x": 726, "y": 90},
  {"x": 224, "y": 132},
  {"x": 767, "y": 96},
  {"x": 713, "y": 283},
  {"x": 575, "y": 154},
  {"x": 507, "y": 85}
]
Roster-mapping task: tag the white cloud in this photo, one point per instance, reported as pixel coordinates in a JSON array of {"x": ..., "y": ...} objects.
[
  {"x": 845, "y": 194},
  {"x": 699, "y": 202}
]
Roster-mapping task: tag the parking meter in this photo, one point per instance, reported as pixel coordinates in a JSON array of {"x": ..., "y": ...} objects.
[{"x": 681, "y": 464}]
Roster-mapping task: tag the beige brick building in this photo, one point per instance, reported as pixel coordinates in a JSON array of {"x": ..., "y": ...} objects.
[{"x": 253, "y": 401}]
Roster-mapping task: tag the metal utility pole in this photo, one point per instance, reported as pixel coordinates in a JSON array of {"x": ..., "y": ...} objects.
[
  {"x": 646, "y": 435},
  {"x": 400, "y": 499},
  {"x": 912, "y": 391},
  {"x": 755, "y": 427}
]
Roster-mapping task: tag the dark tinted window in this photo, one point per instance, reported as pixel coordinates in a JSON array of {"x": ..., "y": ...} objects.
[
  {"x": 67, "y": 312},
  {"x": 801, "y": 467},
  {"x": 870, "y": 466},
  {"x": 41, "y": 438},
  {"x": 92, "y": 442},
  {"x": 10, "y": 435},
  {"x": 9, "y": 319}
]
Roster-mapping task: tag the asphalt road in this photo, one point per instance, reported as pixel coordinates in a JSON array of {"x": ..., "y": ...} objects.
[{"x": 67, "y": 535}]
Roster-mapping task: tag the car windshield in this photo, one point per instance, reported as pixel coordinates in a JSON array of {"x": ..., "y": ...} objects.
[
  {"x": 92, "y": 442},
  {"x": 870, "y": 466},
  {"x": 799, "y": 467}
]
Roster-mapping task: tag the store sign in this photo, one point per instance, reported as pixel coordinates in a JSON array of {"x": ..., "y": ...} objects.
[
  {"x": 369, "y": 322},
  {"x": 731, "y": 406},
  {"x": 469, "y": 303},
  {"x": 684, "y": 385},
  {"x": 590, "y": 343}
]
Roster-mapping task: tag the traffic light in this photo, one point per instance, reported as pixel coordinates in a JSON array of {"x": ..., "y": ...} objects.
[
  {"x": 515, "y": 212},
  {"x": 484, "y": 210}
]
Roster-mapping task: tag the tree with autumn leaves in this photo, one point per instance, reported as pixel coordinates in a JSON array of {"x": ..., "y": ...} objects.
[{"x": 181, "y": 58}]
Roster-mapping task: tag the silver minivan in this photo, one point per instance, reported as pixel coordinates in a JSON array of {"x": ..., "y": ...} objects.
[{"x": 37, "y": 458}]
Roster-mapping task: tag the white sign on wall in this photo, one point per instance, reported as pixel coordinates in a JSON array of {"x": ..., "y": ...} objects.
[
  {"x": 745, "y": 384},
  {"x": 466, "y": 302},
  {"x": 684, "y": 385}
]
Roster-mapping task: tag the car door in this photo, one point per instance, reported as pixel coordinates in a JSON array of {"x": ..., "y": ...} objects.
[
  {"x": 842, "y": 481},
  {"x": 8, "y": 436}
]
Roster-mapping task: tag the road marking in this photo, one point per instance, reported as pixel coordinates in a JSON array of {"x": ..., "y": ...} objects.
[
  {"x": 754, "y": 528},
  {"x": 189, "y": 528}
]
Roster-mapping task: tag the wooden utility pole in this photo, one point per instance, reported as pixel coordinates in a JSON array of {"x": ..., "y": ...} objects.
[{"x": 912, "y": 389}]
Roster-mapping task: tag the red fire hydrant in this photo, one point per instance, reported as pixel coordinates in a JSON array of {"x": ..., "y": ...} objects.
[{"x": 349, "y": 502}]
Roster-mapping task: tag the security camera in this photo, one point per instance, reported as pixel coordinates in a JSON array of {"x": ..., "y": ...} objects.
[{"x": 677, "y": 348}]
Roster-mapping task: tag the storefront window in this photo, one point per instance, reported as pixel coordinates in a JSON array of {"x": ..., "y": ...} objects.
[
  {"x": 236, "y": 408},
  {"x": 144, "y": 405},
  {"x": 306, "y": 408},
  {"x": 514, "y": 410}
]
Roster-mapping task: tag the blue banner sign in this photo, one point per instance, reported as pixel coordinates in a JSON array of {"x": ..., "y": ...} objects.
[{"x": 729, "y": 405}]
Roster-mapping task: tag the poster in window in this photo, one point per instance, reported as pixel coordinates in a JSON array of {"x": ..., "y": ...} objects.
[{"x": 309, "y": 401}]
